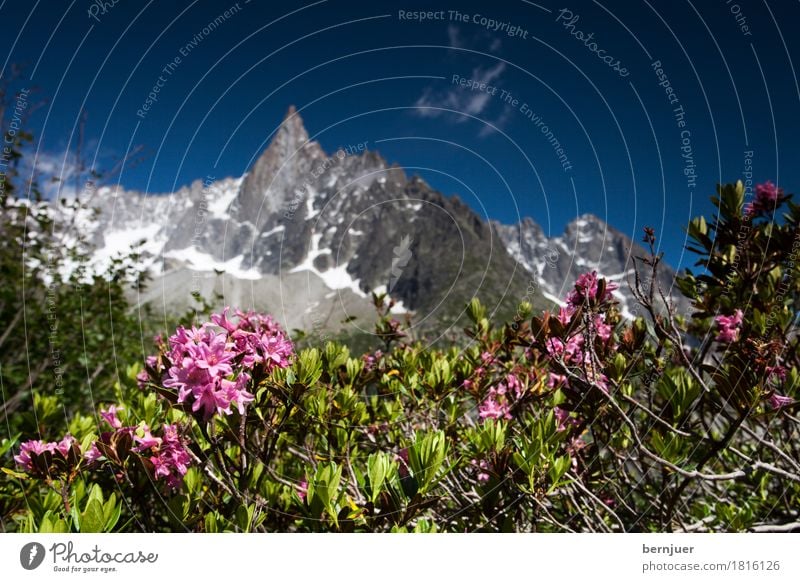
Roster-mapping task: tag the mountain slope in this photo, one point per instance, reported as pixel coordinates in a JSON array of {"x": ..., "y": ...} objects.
[{"x": 307, "y": 236}]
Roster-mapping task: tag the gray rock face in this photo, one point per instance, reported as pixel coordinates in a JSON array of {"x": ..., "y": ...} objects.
[{"x": 307, "y": 235}]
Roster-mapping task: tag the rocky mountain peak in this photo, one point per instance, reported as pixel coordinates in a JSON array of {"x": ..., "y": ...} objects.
[
  {"x": 291, "y": 138},
  {"x": 307, "y": 235},
  {"x": 280, "y": 174}
]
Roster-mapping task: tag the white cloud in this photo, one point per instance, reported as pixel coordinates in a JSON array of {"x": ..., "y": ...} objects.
[
  {"x": 54, "y": 172},
  {"x": 457, "y": 98}
]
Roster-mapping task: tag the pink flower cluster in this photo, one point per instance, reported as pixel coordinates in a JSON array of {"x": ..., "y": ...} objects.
[
  {"x": 776, "y": 375},
  {"x": 586, "y": 291},
  {"x": 729, "y": 326},
  {"x": 564, "y": 419},
  {"x": 167, "y": 453},
  {"x": 767, "y": 195},
  {"x": 572, "y": 351},
  {"x": 371, "y": 360},
  {"x": 483, "y": 467},
  {"x": 497, "y": 403},
  {"x": 33, "y": 448},
  {"x": 211, "y": 367}
]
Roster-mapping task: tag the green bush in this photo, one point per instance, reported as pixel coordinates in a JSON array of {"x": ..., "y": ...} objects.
[{"x": 570, "y": 420}]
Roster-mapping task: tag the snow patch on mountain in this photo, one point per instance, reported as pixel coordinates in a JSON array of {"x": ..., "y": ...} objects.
[
  {"x": 335, "y": 278},
  {"x": 223, "y": 197},
  {"x": 198, "y": 261}
]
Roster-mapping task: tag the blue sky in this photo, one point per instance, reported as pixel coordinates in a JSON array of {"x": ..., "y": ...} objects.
[{"x": 578, "y": 76}]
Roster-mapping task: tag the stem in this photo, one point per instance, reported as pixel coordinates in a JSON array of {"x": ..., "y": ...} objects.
[{"x": 65, "y": 497}]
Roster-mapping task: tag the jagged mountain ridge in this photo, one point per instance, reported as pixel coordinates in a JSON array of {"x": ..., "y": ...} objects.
[
  {"x": 587, "y": 244},
  {"x": 307, "y": 235}
]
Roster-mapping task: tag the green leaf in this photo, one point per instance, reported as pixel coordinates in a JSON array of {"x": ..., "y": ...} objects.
[
  {"x": 475, "y": 310},
  {"x": 426, "y": 457},
  {"x": 51, "y": 523},
  {"x": 93, "y": 519},
  {"x": 244, "y": 517},
  {"x": 309, "y": 367},
  {"x": 377, "y": 469},
  {"x": 12, "y": 473},
  {"x": 558, "y": 469},
  {"x": 324, "y": 487}
]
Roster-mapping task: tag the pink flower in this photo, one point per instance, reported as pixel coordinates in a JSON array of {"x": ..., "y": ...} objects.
[
  {"x": 563, "y": 419},
  {"x": 142, "y": 378},
  {"x": 180, "y": 341},
  {"x": 302, "y": 489},
  {"x": 236, "y": 394},
  {"x": 28, "y": 449},
  {"x": 144, "y": 439},
  {"x": 64, "y": 446},
  {"x": 555, "y": 347},
  {"x": 776, "y": 373},
  {"x": 160, "y": 466},
  {"x": 514, "y": 385},
  {"x": 221, "y": 319},
  {"x": 213, "y": 355},
  {"x": 602, "y": 328},
  {"x": 171, "y": 461},
  {"x": 766, "y": 197},
  {"x": 556, "y": 380},
  {"x": 93, "y": 454},
  {"x": 572, "y": 351},
  {"x": 777, "y": 401},
  {"x": 729, "y": 326},
  {"x": 586, "y": 288},
  {"x": 565, "y": 314},
  {"x": 574, "y": 347},
  {"x": 483, "y": 469},
  {"x": 110, "y": 416},
  {"x": 275, "y": 350},
  {"x": 492, "y": 407},
  {"x": 208, "y": 399},
  {"x": 23, "y": 459}
]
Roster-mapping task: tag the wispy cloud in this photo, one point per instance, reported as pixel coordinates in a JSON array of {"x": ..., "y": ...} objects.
[
  {"x": 454, "y": 36},
  {"x": 57, "y": 174},
  {"x": 499, "y": 123},
  {"x": 442, "y": 101},
  {"x": 432, "y": 103}
]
